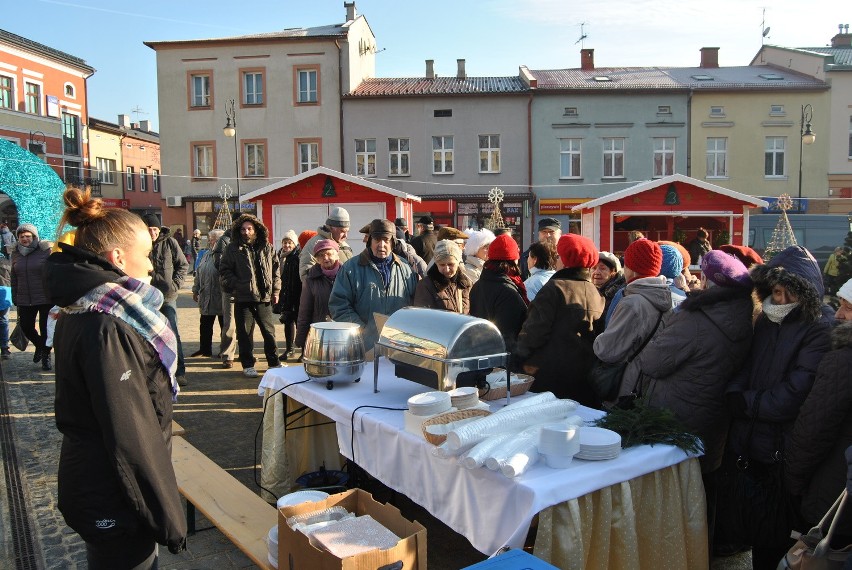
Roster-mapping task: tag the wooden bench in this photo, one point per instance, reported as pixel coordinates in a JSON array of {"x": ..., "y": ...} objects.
[
  {"x": 242, "y": 516},
  {"x": 177, "y": 429}
]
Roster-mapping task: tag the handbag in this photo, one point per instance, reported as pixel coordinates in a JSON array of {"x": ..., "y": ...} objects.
[
  {"x": 605, "y": 378},
  {"x": 19, "y": 339},
  {"x": 813, "y": 551}
]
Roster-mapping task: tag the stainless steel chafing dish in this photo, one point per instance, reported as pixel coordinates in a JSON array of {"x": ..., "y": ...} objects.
[{"x": 440, "y": 349}]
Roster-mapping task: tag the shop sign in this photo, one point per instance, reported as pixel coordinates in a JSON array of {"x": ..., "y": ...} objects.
[
  {"x": 558, "y": 205},
  {"x": 115, "y": 203}
]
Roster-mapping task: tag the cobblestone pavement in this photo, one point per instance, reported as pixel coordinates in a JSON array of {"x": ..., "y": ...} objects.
[{"x": 221, "y": 411}]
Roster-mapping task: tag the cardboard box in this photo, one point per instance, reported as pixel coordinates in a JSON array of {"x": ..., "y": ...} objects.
[
  {"x": 513, "y": 560},
  {"x": 295, "y": 552}
]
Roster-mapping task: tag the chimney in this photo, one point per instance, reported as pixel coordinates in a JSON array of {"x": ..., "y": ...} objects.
[
  {"x": 461, "y": 72},
  {"x": 135, "y": 126},
  {"x": 145, "y": 125},
  {"x": 587, "y": 59},
  {"x": 709, "y": 57},
  {"x": 124, "y": 121},
  {"x": 843, "y": 39},
  {"x": 430, "y": 69},
  {"x": 351, "y": 14}
]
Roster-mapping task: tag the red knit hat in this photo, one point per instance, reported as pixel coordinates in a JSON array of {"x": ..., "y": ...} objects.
[
  {"x": 577, "y": 251},
  {"x": 744, "y": 253},
  {"x": 644, "y": 257},
  {"x": 305, "y": 236},
  {"x": 504, "y": 248}
]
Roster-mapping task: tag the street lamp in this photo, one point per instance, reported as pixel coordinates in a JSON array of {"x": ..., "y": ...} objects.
[
  {"x": 806, "y": 137},
  {"x": 230, "y": 130}
]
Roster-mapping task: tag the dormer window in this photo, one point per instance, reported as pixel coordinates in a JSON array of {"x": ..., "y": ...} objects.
[
  {"x": 602, "y": 78},
  {"x": 702, "y": 77},
  {"x": 771, "y": 77}
]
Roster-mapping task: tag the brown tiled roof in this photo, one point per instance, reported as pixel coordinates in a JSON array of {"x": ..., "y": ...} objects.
[
  {"x": 609, "y": 78},
  {"x": 419, "y": 86}
]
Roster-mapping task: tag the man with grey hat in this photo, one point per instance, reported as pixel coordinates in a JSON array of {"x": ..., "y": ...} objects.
[
  {"x": 377, "y": 281},
  {"x": 549, "y": 231},
  {"x": 336, "y": 227},
  {"x": 402, "y": 227},
  {"x": 426, "y": 238}
]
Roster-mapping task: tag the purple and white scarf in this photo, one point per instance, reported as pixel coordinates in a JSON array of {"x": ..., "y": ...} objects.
[{"x": 137, "y": 304}]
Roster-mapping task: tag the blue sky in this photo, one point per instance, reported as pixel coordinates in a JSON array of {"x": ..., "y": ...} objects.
[{"x": 493, "y": 36}]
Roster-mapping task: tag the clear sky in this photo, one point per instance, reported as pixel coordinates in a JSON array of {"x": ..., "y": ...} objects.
[{"x": 493, "y": 36}]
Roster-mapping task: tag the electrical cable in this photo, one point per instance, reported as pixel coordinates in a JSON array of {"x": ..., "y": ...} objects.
[{"x": 352, "y": 425}]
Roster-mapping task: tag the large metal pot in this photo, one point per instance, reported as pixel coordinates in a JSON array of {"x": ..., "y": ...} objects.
[{"x": 334, "y": 352}]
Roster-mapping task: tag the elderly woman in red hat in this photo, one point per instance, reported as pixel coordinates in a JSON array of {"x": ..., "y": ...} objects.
[{"x": 562, "y": 323}]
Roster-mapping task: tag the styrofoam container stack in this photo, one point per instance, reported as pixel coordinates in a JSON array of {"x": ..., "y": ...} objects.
[{"x": 559, "y": 443}]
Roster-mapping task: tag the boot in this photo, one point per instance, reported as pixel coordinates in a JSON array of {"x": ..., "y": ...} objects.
[
  {"x": 37, "y": 355},
  {"x": 46, "y": 364}
]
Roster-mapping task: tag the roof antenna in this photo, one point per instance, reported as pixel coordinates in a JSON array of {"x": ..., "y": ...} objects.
[
  {"x": 137, "y": 110},
  {"x": 764, "y": 27},
  {"x": 583, "y": 36}
]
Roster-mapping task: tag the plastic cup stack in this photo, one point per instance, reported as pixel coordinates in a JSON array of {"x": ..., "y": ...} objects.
[{"x": 558, "y": 443}]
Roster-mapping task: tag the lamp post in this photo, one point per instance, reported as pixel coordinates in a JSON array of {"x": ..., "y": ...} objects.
[
  {"x": 230, "y": 130},
  {"x": 806, "y": 137}
]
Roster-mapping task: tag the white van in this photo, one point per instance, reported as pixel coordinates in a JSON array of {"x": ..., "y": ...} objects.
[{"x": 818, "y": 233}]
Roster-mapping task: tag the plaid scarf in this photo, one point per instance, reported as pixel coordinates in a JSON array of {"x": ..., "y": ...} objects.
[{"x": 137, "y": 304}]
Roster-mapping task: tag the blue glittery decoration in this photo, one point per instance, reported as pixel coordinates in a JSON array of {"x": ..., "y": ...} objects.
[{"x": 33, "y": 186}]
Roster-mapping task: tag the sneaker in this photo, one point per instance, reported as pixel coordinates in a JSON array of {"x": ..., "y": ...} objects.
[
  {"x": 250, "y": 372},
  {"x": 227, "y": 364},
  {"x": 181, "y": 380}
]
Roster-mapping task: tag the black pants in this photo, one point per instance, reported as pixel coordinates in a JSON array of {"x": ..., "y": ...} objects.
[
  {"x": 27, "y": 318},
  {"x": 205, "y": 338},
  {"x": 245, "y": 316},
  {"x": 288, "y": 319},
  {"x": 126, "y": 553}
]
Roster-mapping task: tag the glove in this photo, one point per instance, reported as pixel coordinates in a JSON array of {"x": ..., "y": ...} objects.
[
  {"x": 736, "y": 403},
  {"x": 177, "y": 547}
]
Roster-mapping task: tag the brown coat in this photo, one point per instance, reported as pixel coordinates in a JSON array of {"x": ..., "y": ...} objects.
[
  {"x": 438, "y": 292},
  {"x": 313, "y": 304}
]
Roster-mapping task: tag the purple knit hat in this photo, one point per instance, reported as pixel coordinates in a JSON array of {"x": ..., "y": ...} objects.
[{"x": 724, "y": 269}]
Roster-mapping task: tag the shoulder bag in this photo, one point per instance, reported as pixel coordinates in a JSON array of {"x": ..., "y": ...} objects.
[{"x": 813, "y": 551}]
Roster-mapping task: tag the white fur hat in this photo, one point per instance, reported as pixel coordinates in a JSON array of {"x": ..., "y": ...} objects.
[
  {"x": 477, "y": 239},
  {"x": 845, "y": 292},
  {"x": 291, "y": 235}
]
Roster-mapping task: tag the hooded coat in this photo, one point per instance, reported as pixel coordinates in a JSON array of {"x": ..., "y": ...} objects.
[
  {"x": 170, "y": 266},
  {"x": 438, "y": 292},
  {"x": 816, "y": 466},
  {"x": 114, "y": 408},
  {"x": 27, "y": 280},
  {"x": 250, "y": 272},
  {"x": 687, "y": 365},
  {"x": 291, "y": 282}
]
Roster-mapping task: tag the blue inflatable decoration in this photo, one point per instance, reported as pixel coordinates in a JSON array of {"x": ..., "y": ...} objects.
[{"x": 33, "y": 186}]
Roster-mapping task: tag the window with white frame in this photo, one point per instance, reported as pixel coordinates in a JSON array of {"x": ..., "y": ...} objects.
[
  {"x": 106, "y": 170},
  {"x": 255, "y": 157},
  {"x": 365, "y": 157},
  {"x": 253, "y": 88},
  {"x": 200, "y": 96},
  {"x": 307, "y": 92},
  {"x": 717, "y": 157},
  {"x": 129, "y": 182},
  {"x": 613, "y": 158},
  {"x": 442, "y": 155},
  {"x": 143, "y": 179},
  {"x": 33, "y": 94},
  {"x": 69, "y": 90},
  {"x": 7, "y": 99},
  {"x": 773, "y": 163},
  {"x": 489, "y": 154},
  {"x": 664, "y": 157},
  {"x": 308, "y": 156},
  {"x": 570, "y": 152},
  {"x": 202, "y": 161},
  {"x": 399, "y": 154},
  {"x": 155, "y": 180}
]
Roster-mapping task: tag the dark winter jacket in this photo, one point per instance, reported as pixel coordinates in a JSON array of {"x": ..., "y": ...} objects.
[
  {"x": 782, "y": 363},
  {"x": 27, "y": 280},
  {"x": 497, "y": 299},
  {"x": 313, "y": 305},
  {"x": 424, "y": 244},
  {"x": 697, "y": 248},
  {"x": 437, "y": 292},
  {"x": 170, "y": 266},
  {"x": 687, "y": 365},
  {"x": 250, "y": 272},
  {"x": 114, "y": 408},
  {"x": 610, "y": 288},
  {"x": 816, "y": 466},
  {"x": 560, "y": 328},
  {"x": 291, "y": 283}
]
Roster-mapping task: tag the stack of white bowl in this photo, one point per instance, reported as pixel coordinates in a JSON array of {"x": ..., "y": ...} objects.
[
  {"x": 288, "y": 500},
  {"x": 598, "y": 443},
  {"x": 558, "y": 443},
  {"x": 429, "y": 403},
  {"x": 464, "y": 397},
  {"x": 272, "y": 542}
]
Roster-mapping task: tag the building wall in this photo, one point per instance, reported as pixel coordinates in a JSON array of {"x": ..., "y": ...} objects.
[
  {"x": 358, "y": 61},
  {"x": 107, "y": 145},
  {"x": 141, "y": 153}
]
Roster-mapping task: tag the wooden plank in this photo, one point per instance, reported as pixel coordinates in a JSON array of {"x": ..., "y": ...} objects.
[
  {"x": 177, "y": 429},
  {"x": 242, "y": 516}
]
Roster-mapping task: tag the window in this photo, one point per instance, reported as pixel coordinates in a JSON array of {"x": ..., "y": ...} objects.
[
  {"x": 489, "y": 154},
  {"x": 717, "y": 157},
  {"x": 664, "y": 157},
  {"x": 252, "y": 88},
  {"x": 570, "y": 112},
  {"x": 570, "y": 151},
  {"x": 774, "y": 156},
  {"x": 308, "y": 154},
  {"x": 106, "y": 171},
  {"x": 717, "y": 111},
  {"x": 128, "y": 176},
  {"x": 613, "y": 158},
  {"x": 33, "y": 98},
  {"x": 202, "y": 160},
  {"x": 143, "y": 179},
  {"x": 70, "y": 133},
  {"x": 664, "y": 109},
  {"x": 365, "y": 157},
  {"x": 7, "y": 100},
  {"x": 442, "y": 113},
  {"x": 442, "y": 155},
  {"x": 155, "y": 178},
  {"x": 72, "y": 172},
  {"x": 399, "y": 154},
  {"x": 307, "y": 86},
  {"x": 255, "y": 159},
  {"x": 777, "y": 111},
  {"x": 69, "y": 90},
  {"x": 200, "y": 90}
]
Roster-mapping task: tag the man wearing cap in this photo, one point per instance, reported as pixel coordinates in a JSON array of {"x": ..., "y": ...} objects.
[
  {"x": 402, "y": 228},
  {"x": 336, "y": 227},
  {"x": 377, "y": 281},
  {"x": 403, "y": 249},
  {"x": 170, "y": 269},
  {"x": 425, "y": 240},
  {"x": 549, "y": 230}
]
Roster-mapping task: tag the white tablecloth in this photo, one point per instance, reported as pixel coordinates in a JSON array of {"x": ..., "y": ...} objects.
[{"x": 490, "y": 510}]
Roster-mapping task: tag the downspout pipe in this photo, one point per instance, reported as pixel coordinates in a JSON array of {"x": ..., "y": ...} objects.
[
  {"x": 340, "y": 90},
  {"x": 530, "y": 165}
]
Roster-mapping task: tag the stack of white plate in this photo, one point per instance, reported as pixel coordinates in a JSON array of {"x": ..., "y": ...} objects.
[
  {"x": 558, "y": 443},
  {"x": 465, "y": 397},
  {"x": 298, "y": 497},
  {"x": 598, "y": 444},
  {"x": 429, "y": 403}
]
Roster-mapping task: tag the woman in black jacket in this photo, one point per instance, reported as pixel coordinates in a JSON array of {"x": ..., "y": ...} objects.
[
  {"x": 291, "y": 289},
  {"x": 115, "y": 384}
]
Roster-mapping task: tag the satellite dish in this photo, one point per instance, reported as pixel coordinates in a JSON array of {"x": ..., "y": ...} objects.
[{"x": 766, "y": 32}]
